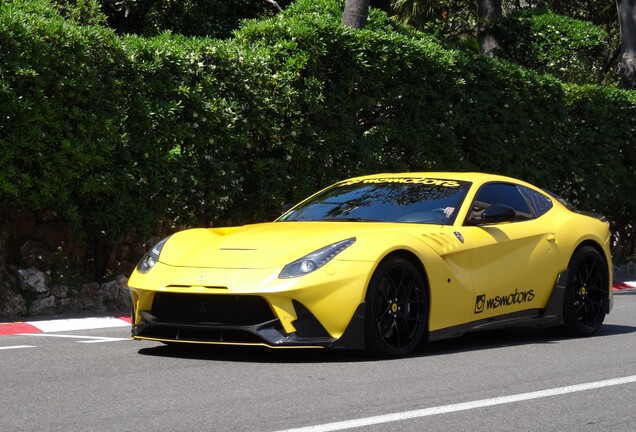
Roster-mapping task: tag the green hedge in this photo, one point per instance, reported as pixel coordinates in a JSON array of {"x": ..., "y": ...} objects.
[
  {"x": 62, "y": 96},
  {"x": 114, "y": 133},
  {"x": 600, "y": 151},
  {"x": 570, "y": 49}
]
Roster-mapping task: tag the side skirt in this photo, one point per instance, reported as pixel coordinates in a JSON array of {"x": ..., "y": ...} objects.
[{"x": 551, "y": 316}]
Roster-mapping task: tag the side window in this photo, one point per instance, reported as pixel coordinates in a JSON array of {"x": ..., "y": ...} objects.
[
  {"x": 500, "y": 193},
  {"x": 538, "y": 202}
]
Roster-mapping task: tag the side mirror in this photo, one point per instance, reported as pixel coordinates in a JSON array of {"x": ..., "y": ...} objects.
[{"x": 496, "y": 213}]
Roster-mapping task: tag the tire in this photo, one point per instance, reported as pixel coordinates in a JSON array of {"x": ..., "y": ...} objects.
[
  {"x": 397, "y": 309},
  {"x": 586, "y": 292}
]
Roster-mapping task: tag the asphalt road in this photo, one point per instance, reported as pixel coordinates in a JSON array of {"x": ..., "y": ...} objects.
[{"x": 511, "y": 380}]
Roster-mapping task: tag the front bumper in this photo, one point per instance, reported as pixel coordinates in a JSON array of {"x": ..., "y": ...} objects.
[
  {"x": 309, "y": 333},
  {"x": 225, "y": 319},
  {"x": 321, "y": 310}
]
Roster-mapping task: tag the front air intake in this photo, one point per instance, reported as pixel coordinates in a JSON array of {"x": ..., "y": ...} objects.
[{"x": 229, "y": 310}]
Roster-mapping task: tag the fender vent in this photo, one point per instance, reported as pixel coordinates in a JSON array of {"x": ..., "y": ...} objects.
[{"x": 446, "y": 243}]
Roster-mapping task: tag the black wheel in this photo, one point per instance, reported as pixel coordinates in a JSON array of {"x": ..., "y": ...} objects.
[
  {"x": 397, "y": 308},
  {"x": 586, "y": 292}
]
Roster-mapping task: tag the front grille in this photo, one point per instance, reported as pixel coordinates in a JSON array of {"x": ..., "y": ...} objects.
[{"x": 226, "y": 310}]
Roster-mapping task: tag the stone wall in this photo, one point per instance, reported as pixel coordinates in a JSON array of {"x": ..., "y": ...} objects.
[
  {"x": 43, "y": 271},
  {"x": 625, "y": 272},
  {"x": 30, "y": 292}
]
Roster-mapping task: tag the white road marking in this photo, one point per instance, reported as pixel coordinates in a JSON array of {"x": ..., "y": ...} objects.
[
  {"x": 92, "y": 339},
  {"x": 16, "y": 347},
  {"x": 444, "y": 409},
  {"x": 78, "y": 324}
]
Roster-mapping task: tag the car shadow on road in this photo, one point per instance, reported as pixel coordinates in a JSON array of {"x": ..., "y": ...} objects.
[
  {"x": 255, "y": 354},
  {"x": 475, "y": 341},
  {"x": 513, "y": 336}
]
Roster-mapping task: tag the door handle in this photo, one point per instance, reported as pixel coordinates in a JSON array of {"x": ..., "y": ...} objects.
[{"x": 551, "y": 238}]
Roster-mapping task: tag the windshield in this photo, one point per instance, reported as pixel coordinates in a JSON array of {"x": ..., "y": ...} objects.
[{"x": 408, "y": 200}]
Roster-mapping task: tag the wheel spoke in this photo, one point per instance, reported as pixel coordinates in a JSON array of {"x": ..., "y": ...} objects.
[
  {"x": 579, "y": 306},
  {"x": 400, "y": 283},
  {"x": 384, "y": 327},
  {"x": 594, "y": 280},
  {"x": 411, "y": 319},
  {"x": 595, "y": 303},
  {"x": 382, "y": 311},
  {"x": 590, "y": 315},
  {"x": 406, "y": 292},
  {"x": 384, "y": 305},
  {"x": 401, "y": 333}
]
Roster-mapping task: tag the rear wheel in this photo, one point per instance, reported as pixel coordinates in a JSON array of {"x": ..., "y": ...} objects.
[
  {"x": 586, "y": 292},
  {"x": 397, "y": 308}
]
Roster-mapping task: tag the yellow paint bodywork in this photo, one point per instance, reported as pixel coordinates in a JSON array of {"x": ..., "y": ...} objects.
[
  {"x": 491, "y": 261},
  {"x": 331, "y": 294}
]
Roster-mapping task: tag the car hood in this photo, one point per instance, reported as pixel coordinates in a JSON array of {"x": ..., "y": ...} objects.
[{"x": 269, "y": 244}]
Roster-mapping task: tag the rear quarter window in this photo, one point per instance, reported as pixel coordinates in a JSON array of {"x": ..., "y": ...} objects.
[{"x": 538, "y": 202}]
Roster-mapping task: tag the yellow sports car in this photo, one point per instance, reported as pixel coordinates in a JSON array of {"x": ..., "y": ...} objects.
[{"x": 381, "y": 262}]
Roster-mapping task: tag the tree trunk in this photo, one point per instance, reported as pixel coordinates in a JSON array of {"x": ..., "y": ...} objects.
[
  {"x": 487, "y": 12},
  {"x": 627, "y": 20},
  {"x": 355, "y": 13}
]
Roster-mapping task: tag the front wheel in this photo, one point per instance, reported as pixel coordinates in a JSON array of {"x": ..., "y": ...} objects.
[
  {"x": 397, "y": 308},
  {"x": 586, "y": 293}
]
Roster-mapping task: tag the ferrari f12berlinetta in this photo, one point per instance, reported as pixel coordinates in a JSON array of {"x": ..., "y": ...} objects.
[{"x": 382, "y": 263}]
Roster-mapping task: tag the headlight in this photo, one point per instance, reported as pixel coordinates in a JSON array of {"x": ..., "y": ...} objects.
[
  {"x": 313, "y": 261},
  {"x": 151, "y": 257}
]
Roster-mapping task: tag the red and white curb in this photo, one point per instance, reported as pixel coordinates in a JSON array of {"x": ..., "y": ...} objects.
[
  {"x": 624, "y": 285},
  {"x": 58, "y": 325}
]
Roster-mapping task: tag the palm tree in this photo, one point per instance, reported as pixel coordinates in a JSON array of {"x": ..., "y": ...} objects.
[
  {"x": 355, "y": 13},
  {"x": 627, "y": 20},
  {"x": 487, "y": 12},
  {"x": 417, "y": 12}
]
